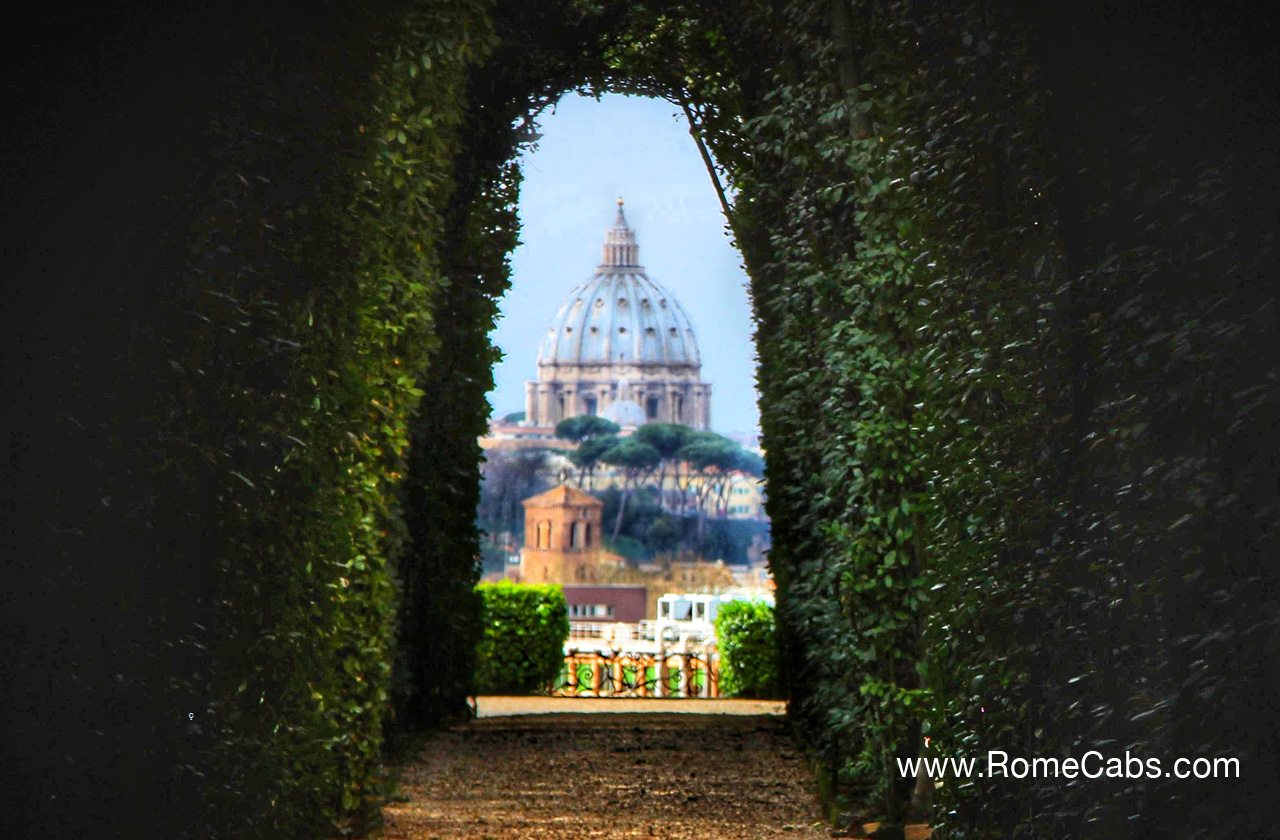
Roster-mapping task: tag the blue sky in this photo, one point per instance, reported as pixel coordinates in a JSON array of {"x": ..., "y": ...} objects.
[{"x": 590, "y": 154}]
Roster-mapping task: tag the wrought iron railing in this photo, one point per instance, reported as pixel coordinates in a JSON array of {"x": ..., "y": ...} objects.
[{"x": 626, "y": 673}]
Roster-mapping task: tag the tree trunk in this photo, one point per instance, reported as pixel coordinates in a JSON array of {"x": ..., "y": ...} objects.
[
  {"x": 726, "y": 486},
  {"x": 662, "y": 487},
  {"x": 622, "y": 506},
  {"x": 702, "y": 521}
]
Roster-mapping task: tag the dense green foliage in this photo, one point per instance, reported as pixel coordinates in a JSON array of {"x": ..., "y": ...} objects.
[
  {"x": 1002, "y": 424},
  {"x": 748, "y": 651},
  {"x": 1013, "y": 278},
  {"x": 244, "y": 445},
  {"x": 440, "y": 613},
  {"x": 525, "y": 628},
  {"x": 701, "y": 465}
]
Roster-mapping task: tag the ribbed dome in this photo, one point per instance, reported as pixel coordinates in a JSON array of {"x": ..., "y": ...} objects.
[{"x": 619, "y": 315}]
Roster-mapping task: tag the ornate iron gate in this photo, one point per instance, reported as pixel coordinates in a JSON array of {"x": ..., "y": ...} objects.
[{"x": 623, "y": 673}]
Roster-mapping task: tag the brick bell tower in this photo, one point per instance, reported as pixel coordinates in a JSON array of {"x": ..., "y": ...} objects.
[{"x": 562, "y": 529}]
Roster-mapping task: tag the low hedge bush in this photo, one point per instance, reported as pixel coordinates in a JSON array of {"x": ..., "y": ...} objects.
[
  {"x": 525, "y": 628},
  {"x": 748, "y": 658}
]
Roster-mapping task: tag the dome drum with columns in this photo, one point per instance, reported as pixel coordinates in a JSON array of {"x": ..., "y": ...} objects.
[{"x": 620, "y": 346}]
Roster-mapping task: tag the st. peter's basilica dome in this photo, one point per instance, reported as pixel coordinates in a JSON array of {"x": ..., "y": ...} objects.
[
  {"x": 618, "y": 326},
  {"x": 619, "y": 315}
]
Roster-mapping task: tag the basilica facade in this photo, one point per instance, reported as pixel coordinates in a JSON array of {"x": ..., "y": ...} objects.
[{"x": 620, "y": 346}]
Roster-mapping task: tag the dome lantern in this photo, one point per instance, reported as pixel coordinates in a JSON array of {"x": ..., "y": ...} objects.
[{"x": 620, "y": 249}]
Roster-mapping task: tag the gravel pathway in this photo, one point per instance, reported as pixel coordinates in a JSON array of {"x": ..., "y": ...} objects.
[{"x": 573, "y": 775}]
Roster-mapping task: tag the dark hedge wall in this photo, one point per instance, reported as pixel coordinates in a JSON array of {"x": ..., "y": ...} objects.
[
  {"x": 1014, "y": 291},
  {"x": 1014, "y": 279},
  {"x": 235, "y": 253}
]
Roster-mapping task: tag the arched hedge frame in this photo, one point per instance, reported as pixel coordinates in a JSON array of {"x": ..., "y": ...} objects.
[{"x": 1021, "y": 479}]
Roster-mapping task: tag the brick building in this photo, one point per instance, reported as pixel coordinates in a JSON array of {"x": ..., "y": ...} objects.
[
  {"x": 605, "y": 603},
  {"x": 562, "y": 530}
]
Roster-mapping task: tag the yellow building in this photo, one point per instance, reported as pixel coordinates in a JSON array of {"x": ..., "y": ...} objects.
[{"x": 746, "y": 499}]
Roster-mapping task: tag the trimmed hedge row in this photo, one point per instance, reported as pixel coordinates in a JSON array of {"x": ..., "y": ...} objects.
[
  {"x": 309, "y": 687},
  {"x": 748, "y": 650},
  {"x": 230, "y": 420},
  {"x": 1016, "y": 460},
  {"x": 525, "y": 628}
]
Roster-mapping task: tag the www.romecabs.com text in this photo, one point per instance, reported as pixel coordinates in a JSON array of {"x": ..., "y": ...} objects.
[{"x": 1092, "y": 765}]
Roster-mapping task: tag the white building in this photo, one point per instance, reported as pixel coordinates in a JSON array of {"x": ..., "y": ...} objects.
[{"x": 693, "y": 615}]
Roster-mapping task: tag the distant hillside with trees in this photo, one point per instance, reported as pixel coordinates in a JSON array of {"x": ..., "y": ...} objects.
[{"x": 696, "y": 468}]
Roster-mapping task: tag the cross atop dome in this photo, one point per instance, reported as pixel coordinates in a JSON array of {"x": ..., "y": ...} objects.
[{"x": 620, "y": 248}]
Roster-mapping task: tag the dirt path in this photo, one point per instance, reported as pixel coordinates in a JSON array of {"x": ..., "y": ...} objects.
[{"x": 578, "y": 776}]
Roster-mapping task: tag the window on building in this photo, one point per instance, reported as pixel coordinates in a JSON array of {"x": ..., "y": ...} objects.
[
  {"x": 589, "y": 404},
  {"x": 699, "y": 610},
  {"x": 586, "y": 533},
  {"x": 651, "y": 407},
  {"x": 664, "y": 609},
  {"x": 575, "y": 535}
]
